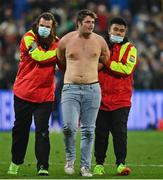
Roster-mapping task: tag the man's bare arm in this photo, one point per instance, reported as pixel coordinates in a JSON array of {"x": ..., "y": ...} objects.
[
  {"x": 105, "y": 53},
  {"x": 61, "y": 52}
]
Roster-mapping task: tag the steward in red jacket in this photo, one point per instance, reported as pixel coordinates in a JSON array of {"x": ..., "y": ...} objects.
[
  {"x": 34, "y": 92},
  {"x": 35, "y": 78},
  {"x": 115, "y": 79}
]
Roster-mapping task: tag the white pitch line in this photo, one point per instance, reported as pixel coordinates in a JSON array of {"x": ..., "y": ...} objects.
[
  {"x": 139, "y": 165},
  {"x": 146, "y": 165}
]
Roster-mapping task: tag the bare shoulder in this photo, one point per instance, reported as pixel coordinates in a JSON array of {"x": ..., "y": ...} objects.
[
  {"x": 99, "y": 38},
  {"x": 105, "y": 53},
  {"x": 63, "y": 41},
  {"x": 68, "y": 36}
]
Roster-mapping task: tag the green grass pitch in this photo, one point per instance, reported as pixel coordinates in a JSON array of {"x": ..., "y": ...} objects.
[{"x": 145, "y": 158}]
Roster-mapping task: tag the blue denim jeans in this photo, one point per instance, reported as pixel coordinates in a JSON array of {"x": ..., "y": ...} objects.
[{"x": 80, "y": 103}]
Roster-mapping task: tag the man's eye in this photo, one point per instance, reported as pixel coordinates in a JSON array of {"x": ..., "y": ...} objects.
[{"x": 115, "y": 29}]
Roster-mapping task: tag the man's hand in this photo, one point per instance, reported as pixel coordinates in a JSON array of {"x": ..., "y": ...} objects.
[
  {"x": 32, "y": 47},
  {"x": 104, "y": 60},
  {"x": 100, "y": 66}
]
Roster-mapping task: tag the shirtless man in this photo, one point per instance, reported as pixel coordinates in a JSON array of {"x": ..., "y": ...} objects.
[{"x": 80, "y": 51}]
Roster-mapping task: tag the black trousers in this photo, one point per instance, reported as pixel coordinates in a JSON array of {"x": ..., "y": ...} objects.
[
  {"x": 114, "y": 122},
  {"x": 24, "y": 111}
]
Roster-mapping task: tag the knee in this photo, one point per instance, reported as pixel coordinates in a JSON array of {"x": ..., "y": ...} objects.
[
  {"x": 68, "y": 131},
  {"x": 42, "y": 134},
  {"x": 87, "y": 134}
]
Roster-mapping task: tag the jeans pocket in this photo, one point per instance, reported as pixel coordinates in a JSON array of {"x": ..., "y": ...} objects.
[{"x": 65, "y": 88}]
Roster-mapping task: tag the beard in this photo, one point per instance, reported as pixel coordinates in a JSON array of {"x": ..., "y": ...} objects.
[{"x": 45, "y": 42}]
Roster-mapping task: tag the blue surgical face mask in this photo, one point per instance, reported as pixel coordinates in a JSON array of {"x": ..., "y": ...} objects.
[
  {"x": 44, "y": 31},
  {"x": 116, "y": 39}
]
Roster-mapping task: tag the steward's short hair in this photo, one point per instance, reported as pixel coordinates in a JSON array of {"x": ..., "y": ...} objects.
[{"x": 118, "y": 20}]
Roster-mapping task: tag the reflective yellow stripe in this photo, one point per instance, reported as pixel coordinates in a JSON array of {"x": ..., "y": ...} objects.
[
  {"x": 39, "y": 55},
  {"x": 130, "y": 62},
  {"x": 123, "y": 49},
  {"x": 36, "y": 53},
  {"x": 28, "y": 39}
]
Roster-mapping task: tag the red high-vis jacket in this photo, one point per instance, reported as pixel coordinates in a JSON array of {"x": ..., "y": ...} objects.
[
  {"x": 116, "y": 78},
  {"x": 35, "y": 77}
]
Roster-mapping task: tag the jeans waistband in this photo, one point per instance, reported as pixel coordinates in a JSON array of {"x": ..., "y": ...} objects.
[{"x": 81, "y": 83}]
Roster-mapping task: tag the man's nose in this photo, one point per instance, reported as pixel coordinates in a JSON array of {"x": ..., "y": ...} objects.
[{"x": 118, "y": 33}]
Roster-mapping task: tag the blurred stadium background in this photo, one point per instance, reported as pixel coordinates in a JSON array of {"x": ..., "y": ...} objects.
[{"x": 145, "y": 20}]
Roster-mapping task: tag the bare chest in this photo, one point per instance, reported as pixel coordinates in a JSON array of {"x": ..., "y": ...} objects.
[{"x": 83, "y": 49}]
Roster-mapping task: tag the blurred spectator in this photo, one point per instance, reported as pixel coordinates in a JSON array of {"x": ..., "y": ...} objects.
[
  {"x": 102, "y": 15},
  {"x": 121, "y": 5},
  {"x": 19, "y": 8},
  {"x": 143, "y": 76}
]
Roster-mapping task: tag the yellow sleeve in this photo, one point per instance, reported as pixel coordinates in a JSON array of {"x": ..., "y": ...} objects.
[
  {"x": 129, "y": 65},
  {"x": 36, "y": 52}
]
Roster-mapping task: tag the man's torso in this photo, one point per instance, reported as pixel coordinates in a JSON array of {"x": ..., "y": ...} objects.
[{"x": 82, "y": 56}]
